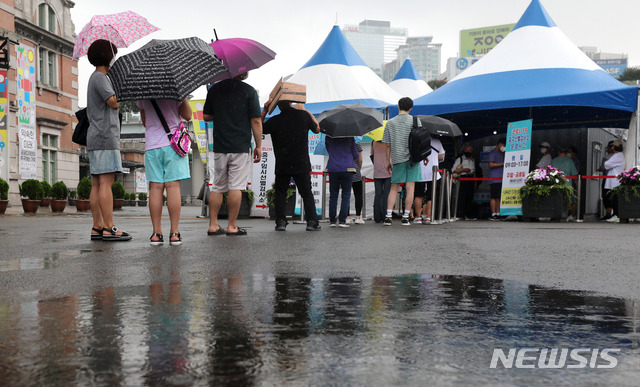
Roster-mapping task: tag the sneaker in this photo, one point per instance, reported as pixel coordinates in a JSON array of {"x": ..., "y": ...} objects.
[
  {"x": 333, "y": 225},
  {"x": 359, "y": 221},
  {"x": 387, "y": 221},
  {"x": 494, "y": 217},
  {"x": 313, "y": 226},
  {"x": 570, "y": 218},
  {"x": 349, "y": 221},
  {"x": 418, "y": 220},
  {"x": 343, "y": 225},
  {"x": 281, "y": 225},
  {"x": 614, "y": 219},
  {"x": 468, "y": 218},
  {"x": 405, "y": 221},
  {"x": 606, "y": 217}
]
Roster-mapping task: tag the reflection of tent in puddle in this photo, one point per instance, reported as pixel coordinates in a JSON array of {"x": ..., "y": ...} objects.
[{"x": 46, "y": 262}]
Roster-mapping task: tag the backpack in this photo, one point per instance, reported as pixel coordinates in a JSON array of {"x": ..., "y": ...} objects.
[{"x": 419, "y": 142}]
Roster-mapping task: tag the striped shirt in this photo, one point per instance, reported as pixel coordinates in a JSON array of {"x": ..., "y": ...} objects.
[{"x": 397, "y": 133}]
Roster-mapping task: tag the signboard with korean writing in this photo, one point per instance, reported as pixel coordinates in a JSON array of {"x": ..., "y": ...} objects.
[
  {"x": 318, "y": 163},
  {"x": 481, "y": 40},
  {"x": 263, "y": 178},
  {"x": 200, "y": 127},
  {"x": 516, "y": 166},
  {"x": 26, "y": 98},
  {"x": 141, "y": 181},
  {"x": 614, "y": 67},
  {"x": 4, "y": 127}
]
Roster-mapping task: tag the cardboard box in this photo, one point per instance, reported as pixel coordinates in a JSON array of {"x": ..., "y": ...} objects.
[{"x": 287, "y": 91}]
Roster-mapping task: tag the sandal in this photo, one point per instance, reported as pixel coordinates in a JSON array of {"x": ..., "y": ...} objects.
[
  {"x": 159, "y": 241},
  {"x": 241, "y": 231},
  {"x": 96, "y": 237},
  {"x": 113, "y": 236},
  {"x": 219, "y": 231},
  {"x": 175, "y": 243}
]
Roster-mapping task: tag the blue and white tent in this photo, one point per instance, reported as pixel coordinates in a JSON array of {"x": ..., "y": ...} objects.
[
  {"x": 336, "y": 75},
  {"x": 535, "y": 72},
  {"x": 408, "y": 82}
]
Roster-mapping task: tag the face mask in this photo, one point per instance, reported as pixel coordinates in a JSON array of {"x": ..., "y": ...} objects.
[
  {"x": 467, "y": 154},
  {"x": 543, "y": 150},
  {"x": 503, "y": 148}
]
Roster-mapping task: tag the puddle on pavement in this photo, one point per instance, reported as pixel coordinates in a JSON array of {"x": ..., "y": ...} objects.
[
  {"x": 317, "y": 331},
  {"x": 48, "y": 261}
]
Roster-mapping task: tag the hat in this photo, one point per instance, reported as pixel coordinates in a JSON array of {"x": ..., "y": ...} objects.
[
  {"x": 617, "y": 143},
  {"x": 544, "y": 144}
]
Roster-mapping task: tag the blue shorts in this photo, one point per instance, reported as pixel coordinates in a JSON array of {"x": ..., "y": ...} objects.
[
  {"x": 163, "y": 165},
  {"x": 406, "y": 173},
  {"x": 105, "y": 161}
]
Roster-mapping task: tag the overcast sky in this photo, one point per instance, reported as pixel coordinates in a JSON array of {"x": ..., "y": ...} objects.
[{"x": 295, "y": 29}]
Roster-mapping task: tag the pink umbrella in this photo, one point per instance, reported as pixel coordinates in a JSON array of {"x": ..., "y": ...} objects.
[
  {"x": 240, "y": 55},
  {"x": 121, "y": 29}
]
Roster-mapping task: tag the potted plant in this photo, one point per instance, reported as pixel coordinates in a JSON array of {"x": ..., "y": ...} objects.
[
  {"x": 84, "y": 191},
  {"x": 59, "y": 193},
  {"x": 132, "y": 199},
  {"x": 117, "y": 189},
  {"x": 290, "y": 207},
  {"x": 142, "y": 199},
  {"x": 31, "y": 189},
  {"x": 628, "y": 193},
  {"x": 73, "y": 194},
  {"x": 546, "y": 194},
  {"x": 4, "y": 196},
  {"x": 126, "y": 199},
  {"x": 46, "y": 196}
]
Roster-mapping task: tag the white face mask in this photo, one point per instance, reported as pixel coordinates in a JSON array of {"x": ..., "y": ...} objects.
[
  {"x": 503, "y": 148},
  {"x": 543, "y": 150}
]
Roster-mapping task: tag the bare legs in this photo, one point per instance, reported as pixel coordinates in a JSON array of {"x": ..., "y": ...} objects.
[
  {"x": 234, "y": 199},
  {"x": 156, "y": 190},
  {"x": 101, "y": 200}
]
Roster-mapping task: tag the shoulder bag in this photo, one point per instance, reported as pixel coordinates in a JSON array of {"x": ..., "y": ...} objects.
[{"x": 180, "y": 139}]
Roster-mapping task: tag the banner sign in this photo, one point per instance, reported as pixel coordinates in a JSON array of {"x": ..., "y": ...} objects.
[
  {"x": 263, "y": 178},
  {"x": 26, "y": 97},
  {"x": 614, "y": 67},
  {"x": 317, "y": 166},
  {"x": 200, "y": 128},
  {"x": 4, "y": 127},
  {"x": 516, "y": 166},
  {"x": 481, "y": 40},
  {"x": 141, "y": 181}
]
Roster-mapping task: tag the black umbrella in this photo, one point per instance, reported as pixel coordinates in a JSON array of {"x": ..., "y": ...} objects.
[
  {"x": 165, "y": 69},
  {"x": 349, "y": 120},
  {"x": 440, "y": 127}
]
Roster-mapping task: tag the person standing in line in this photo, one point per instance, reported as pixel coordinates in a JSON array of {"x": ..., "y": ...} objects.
[
  {"x": 164, "y": 167},
  {"x": 290, "y": 135},
  {"x": 496, "y": 167},
  {"x": 234, "y": 108},
  {"x": 545, "y": 160},
  {"x": 103, "y": 142},
  {"x": 465, "y": 167},
  {"x": 606, "y": 200},
  {"x": 572, "y": 153},
  {"x": 564, "y": 164},
  {"x": 341, "y": 167},
  {"x": 396, "y": 137},
  {"x": 614, "y": 166},
  {"x": 357, "y": 187},
  {"x": 424, "y": 206},
  {"x": 381, "y": 180}
]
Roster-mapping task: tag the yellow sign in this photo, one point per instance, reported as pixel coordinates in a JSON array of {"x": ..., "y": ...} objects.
[
  {"x": 479, "y": 41},
  {"x": 200, "y": 127},
  {"x": 510, "y": 197}
]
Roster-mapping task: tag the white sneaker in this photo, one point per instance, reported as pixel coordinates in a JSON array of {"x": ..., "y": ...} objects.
[
  {"x": 349, "y": 221},
  {"x": 359, "y": 221},
  {"x": 333, "y": 225},
  {"x": 405, "y": 221},
  {"x": 343, "y": 225},
  {"x": 614, "y": 219},
  {"x": 570, "y": 218}
]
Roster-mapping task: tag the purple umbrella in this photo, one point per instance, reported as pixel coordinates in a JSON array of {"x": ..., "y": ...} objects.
[{"x": 240, "y": 55}]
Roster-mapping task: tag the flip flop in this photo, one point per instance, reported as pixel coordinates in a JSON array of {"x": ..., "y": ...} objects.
[
  {"x": 219, "y": 231},
  {"x": 96, "y": 237},
  {"x": 241, "y": 231}
]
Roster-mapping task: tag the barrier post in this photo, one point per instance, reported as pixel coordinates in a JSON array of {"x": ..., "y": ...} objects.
[
  {"x": 324, "y": 195},
  {"x": 449, "y": 186},
  {"x": 434, "y": 186},
  {"x": 364, "y": 198},
  {"x": 301, "y": 221},
  {"x": 441, "y": 199},
  {"x": 579, "y": 201},
  {"x": 456, "y": 198}
]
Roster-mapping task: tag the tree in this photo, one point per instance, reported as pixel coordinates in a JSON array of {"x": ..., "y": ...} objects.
[
  {"x": 129, "y": 107},
  {"x": 630, "y": 74},
  {"x": 436, "y": 83}
]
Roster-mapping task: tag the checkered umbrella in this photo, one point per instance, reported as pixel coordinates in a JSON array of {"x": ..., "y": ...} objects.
[{"x": 165, "y": 69}]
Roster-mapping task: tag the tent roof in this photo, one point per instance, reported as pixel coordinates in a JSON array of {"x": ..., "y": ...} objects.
[
  {"x": 535, "y": 72},
  {"x": 408, "y": 82},
  {"x": 408, "y": 71}
]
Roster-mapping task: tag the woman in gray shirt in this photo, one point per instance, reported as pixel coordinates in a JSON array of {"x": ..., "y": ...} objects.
[{"x": 103, "y": 142}]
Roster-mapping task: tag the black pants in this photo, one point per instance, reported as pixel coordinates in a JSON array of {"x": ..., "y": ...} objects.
[
  {"x": 303, "y": 184},
  {"x": 466, "y": 206},
  {"x": 357, "y": 195}
]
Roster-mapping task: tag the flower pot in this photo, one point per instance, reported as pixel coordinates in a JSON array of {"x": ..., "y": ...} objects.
[
  {"x": 44, "y": 202},
  {"x": 118, "y": 203},
  {"x": 83, "y": 205},
  {"x": 289, "y": 210},
  {"x": 58, "y": 205},
  {"x": 544, "y": 207},
  {"x": 628, "y": 208},
  {"x": 30, "y": 206},
  {"x": 72, "y": 202},
  {"x": 3, "y": 206},
  {"x": 142, "y": 203}
]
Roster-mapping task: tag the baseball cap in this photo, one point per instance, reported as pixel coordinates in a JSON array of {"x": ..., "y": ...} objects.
[
  {"x": 617, "y": 143},
  {"x": 544, "y": 144}
]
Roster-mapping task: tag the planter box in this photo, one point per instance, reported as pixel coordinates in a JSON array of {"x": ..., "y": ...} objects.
[
  {"x": 83, "y": 205},
  {"x": 245, "y": 208},
  {"x": 58, "y": 205},
  {"x": 289, "y": 211},
  {"x": 548, "y": 207},
  {"x": 30, "y": 206},
  {"x": 628, "y": 208},
  {"x": 45, "y": 202},
  {"x": 118, "y": 203},
  {"x": 142, "y": 203},
  {"x": 3, "y": 206}
]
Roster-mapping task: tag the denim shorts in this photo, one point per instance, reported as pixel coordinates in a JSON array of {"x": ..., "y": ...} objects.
[
  {"x": 105, "y": 161},
  {"x": 164, "y": 164}
]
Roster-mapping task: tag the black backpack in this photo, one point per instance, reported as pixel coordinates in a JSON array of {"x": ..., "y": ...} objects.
[{"x": 419, "y": 142}]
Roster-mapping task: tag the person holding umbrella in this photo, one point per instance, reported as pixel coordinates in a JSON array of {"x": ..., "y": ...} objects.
[{"x": 103, "y": 141}]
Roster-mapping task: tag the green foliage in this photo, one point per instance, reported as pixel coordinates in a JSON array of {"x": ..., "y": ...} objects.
[
  {"x": 73, "y": 194},
  {"x": 117, "y": 189},
  {"x": 59, "y": 190},
  {"x": 629, "y": 184},
  {"x": 630, "y": 74},
  {"x": 540, "y": 182},
  {"x": 84, "y": 188},
  {"x": 129, "y": 107},
  {"x": 31, "y": 189},
  {"x": 4, "y": 190},
  {"x": 46, "y": 189},
  {"x": 142, "y": 196},
  {"x": 271, "y": 195},
  {"x": 132, "y": 196}
]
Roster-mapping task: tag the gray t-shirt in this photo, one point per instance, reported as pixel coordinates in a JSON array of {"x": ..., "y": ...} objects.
[
  {"x": 104, "y": 124},
  {"x": 397, "y": 133}
]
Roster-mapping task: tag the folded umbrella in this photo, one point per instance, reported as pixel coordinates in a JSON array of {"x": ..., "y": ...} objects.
[
  {"x": 165, "y": 69},
  {"x": 241, "y": 55},
  {"x": 349, "y": 120},
  {"x": 440, "y": 127},
  {"x": 121, "y": 29}
]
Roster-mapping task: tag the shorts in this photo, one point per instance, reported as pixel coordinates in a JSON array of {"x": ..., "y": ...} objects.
[
  {"x": 419, "y": 190},
  {"x": 230, "y": 171},
  {"x": 405, "y": 173},
  {"x": 105, "y": 161},
  {"x": 496, "y": 190},
  {"x": 164, "y": 164},
  {"x": 429, "y": 192}
]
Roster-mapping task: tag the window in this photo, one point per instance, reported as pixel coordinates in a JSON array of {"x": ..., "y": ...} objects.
[
  {"x": 48, "y": 70},
  {"x": 46, "y": 18},
  {"x": 49, "y": 155}
]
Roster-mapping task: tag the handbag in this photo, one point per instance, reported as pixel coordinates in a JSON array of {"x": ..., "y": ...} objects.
[
  {"x": 180, "y": 139},
  {"x": 80, "y": 132}
]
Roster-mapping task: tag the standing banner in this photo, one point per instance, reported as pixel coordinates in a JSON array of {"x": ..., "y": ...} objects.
[
  {"x": 4, "y": 127},
  {"x": 141, "y": 182},
  {"x": 263, "y": 178},
  {"x": 516, "y": 166},
  {"x": 26, "y": 97},
  {"x": 200, "y": 128},
  {"x": 317, "y": 166}
]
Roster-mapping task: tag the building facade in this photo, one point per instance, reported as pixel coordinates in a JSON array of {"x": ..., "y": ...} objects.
[
  {"x": 424, "y": 54},
  {"x": 40, "y": 94},
  {"x": 375, "y": 41}
]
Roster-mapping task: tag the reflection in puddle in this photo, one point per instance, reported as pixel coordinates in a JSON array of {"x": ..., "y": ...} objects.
[
  {"x": 296, "y": 330},
  {"x": 47, "y": 262}
]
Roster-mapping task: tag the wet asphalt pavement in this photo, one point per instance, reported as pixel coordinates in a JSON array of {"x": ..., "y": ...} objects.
[{"x": 367, "y": 305}]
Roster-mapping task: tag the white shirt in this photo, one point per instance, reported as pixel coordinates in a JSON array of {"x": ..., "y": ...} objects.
[
  {"x": 427, "y": 170},
  {"x": 544, "y": 161},
  {"x": 466, "y": 163},
  {"x": 614, "y": 166}
]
